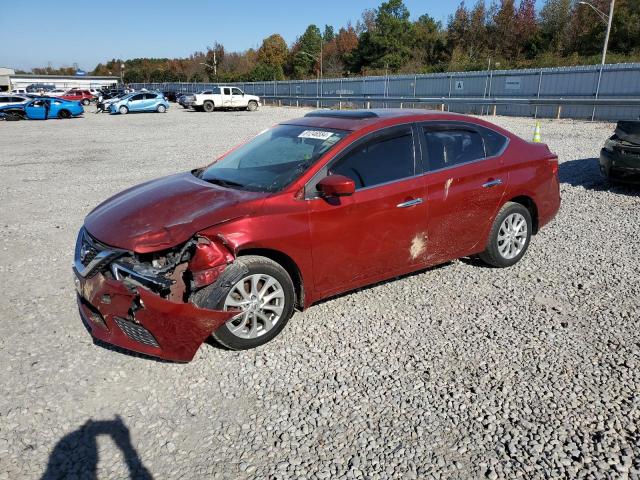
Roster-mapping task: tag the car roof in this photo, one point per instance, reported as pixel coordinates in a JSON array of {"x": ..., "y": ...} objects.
[{"x": 359, "y": 119}]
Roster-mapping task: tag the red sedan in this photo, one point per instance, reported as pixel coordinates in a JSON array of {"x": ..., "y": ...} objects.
[
  {"x": 307, "y": 209},
  {"x": 82, "y": 96}
]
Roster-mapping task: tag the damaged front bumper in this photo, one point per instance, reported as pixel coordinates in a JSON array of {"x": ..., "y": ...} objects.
[{"x": 134, "y": 317}]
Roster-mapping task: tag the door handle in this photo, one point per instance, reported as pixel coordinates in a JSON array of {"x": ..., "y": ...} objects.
[
  {"x": 409, "y": 203},
  {"x": 492, "y": 183}
]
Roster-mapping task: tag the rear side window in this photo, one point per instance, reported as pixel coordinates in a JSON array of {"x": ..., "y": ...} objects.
[
  {"x": 493, "y": 141},
  {"x": 447, "y": 147},
  {"x": 380, "y": 160},
  {"x": 150, "y": 96},
  {"x": 227, "y": 91}
]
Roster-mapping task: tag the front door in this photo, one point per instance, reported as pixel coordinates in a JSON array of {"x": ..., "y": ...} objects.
[
  {"x": 465, "y": 185},
  {"x": 36, "y": 109},
  {"x": 136, "y": 103},
  {"x": 237, "y": 98},
  {"x": 380, "y": 230}
]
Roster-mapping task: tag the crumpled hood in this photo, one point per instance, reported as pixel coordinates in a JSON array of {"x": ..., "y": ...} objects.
[{"x": 163, "y": 213}]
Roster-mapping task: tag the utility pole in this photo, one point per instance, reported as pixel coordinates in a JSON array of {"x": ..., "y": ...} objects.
[
  {"x": 605, "y": 18},
  {"x": 606, "y": 38}
]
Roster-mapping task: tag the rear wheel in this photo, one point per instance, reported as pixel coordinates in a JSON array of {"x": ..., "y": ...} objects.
[
  {"x": 252, "y": 106},
  {"x": 208, "y": 106},
  {"x": 123, "y": 110},
  {"x": 509, "y": 237},
  {"x": 86, "y": 101},
  {"x": 261, "y": 291},
  {"x": 64, "y": 114},
  {"x": 161, "y": 108}
]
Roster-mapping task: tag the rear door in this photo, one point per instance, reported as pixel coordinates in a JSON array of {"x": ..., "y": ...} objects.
[
  {"x": 379, "y": 230},
  {"x": 150, "y": 101},
  {"x": 227, "y": 100},
  {"x": 465, "y": 181}
]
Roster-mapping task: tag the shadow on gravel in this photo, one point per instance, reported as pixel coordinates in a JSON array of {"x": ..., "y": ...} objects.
[
  {"x": 585, "y": 172},
  {"x": 76, "y": 454}
]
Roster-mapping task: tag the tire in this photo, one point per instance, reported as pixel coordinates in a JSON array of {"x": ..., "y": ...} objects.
[
  {"x": 252, "y": 106},
  {"x": 511, "y": 221},
  {"x": 123, "y": 110},
  {"x": 64, "y": 114},
  {"x": 86, "y": 101},
  {"x": 251, "y": 327},
  {"x": 208, "y": 106},
  {"x": 186, "y": 107},
  {"x": 15, "y": 115},
  {"x": 161, "y": 108}
]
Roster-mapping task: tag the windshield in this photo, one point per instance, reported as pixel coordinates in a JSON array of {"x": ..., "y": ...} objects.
[{"x": 273, "y": 159}]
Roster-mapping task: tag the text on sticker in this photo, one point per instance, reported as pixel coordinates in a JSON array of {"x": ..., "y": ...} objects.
[{"x": 317, "y": 134}]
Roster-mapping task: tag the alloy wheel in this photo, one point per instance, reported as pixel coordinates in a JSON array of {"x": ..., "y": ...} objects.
[
  {"x": 512, "y": 236},
  {"x": 261, "y": 301}
]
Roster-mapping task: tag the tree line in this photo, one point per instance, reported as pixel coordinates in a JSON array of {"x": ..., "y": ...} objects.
[{"x": 503, "y": 34}]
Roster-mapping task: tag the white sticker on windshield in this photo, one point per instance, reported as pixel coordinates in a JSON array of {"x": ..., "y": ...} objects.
[{"x": 317, "y": 134}]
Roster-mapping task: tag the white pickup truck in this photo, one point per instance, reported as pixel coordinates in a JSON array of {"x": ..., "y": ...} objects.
[{"x": 231, "y": 98}]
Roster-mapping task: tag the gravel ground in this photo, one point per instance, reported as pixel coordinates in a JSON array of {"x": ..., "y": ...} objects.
[{"x": 455, "y": 372}]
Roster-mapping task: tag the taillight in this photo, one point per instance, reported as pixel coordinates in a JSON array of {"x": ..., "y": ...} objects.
[{"x": 554, "y": 165}]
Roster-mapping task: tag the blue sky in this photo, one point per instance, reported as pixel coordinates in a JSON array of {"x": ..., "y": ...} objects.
[{"x": 65, "y": 32}]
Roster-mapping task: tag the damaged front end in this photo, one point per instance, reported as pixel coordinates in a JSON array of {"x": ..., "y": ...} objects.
[{"x": 140, "y": 302}]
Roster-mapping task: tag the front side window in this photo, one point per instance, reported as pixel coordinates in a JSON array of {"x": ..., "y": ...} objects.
[
  {"x": 383, "y": 159},
  {"x": 450, "y": 146},
  {"x": 273, "y": 159},
  {"x": 236, "y": 91},
  {"x": 136, "y": 97}
]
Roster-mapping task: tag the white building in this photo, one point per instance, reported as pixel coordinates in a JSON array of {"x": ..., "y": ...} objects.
[{"x": 10, "y": 80}]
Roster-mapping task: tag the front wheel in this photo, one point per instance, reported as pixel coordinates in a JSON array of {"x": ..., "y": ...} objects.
[
  {"x": 261, "y": 291},
  {"x": 252, "y": 106},
  {"x": 64, "y": 114},
  {"x": 509, "y": 237},
  {"x": 161, "y": 109},
  {"x": 86, "y": 101},
  {"x": 123, "y": 110}
]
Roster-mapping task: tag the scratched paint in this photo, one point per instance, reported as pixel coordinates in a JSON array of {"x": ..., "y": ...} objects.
[
  {"x": 447, "y": 184},
  {"x": 418, "y": 245}
]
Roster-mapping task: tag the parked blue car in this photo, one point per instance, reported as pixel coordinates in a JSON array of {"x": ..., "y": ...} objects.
[
  {"x": 43, "y": 108},
  {"x": 140, "y": 102}
]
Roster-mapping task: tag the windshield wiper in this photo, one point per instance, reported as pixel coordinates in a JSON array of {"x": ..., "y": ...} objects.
[{"x": 224, "y": 183}]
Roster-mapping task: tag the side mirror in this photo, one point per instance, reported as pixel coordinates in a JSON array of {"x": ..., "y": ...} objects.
[
  {"x": 243, "y": 94},
  {"x": 336, "y": 186}
]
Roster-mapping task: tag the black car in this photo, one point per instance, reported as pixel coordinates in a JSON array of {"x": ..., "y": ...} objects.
[
  {"x": 620, "y": 156},
  {"x": 172, "y": 95}
]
